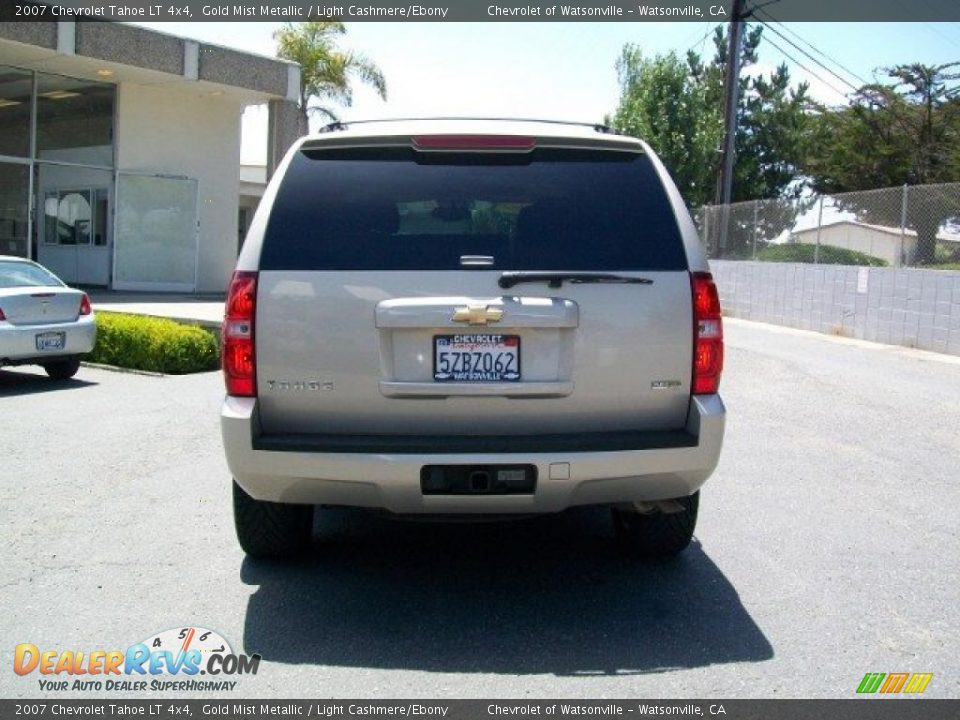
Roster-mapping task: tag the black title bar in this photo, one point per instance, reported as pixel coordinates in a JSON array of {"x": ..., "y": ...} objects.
[
  {"x": 873, "y": 708},
  {"x": 476, "y": 10}
]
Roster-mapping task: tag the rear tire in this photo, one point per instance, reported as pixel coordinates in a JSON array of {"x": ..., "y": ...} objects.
[
  {"x": 657, "y": 534},
  {"x": 62, "y": 369},
  {"x": 268, "y": 529}
]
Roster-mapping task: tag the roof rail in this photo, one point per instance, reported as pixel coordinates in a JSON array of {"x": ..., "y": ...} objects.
[{"x": 344, "y": 125}]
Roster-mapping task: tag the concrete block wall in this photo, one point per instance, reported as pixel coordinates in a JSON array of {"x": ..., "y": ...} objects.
[{"x": 899, "y": 306}]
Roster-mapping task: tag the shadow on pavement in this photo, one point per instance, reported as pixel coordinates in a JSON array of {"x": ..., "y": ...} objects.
[
  {"x": 26, "y": 383},
  {"x": 544, "y": 595}
]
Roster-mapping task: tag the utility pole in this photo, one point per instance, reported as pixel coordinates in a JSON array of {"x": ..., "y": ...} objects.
[{"x": 731, "y": 92}]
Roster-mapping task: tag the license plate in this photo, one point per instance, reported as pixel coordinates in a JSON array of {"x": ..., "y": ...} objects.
[
  {"x": 476, "y": 358},
  {"x": 50, "y": 341}
]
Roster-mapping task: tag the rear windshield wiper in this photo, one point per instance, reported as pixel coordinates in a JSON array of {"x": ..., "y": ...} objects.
[{"x": 555, "y": 279}]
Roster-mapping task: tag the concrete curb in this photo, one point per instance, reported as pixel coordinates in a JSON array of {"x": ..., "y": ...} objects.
[{"x": 129, "y": 371}]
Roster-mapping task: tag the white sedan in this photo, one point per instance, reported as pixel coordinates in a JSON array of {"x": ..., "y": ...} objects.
[{"x": 42, "y": 321}]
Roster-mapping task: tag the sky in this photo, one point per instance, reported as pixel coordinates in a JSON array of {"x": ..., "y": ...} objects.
[{"x": 565, "y": 71}]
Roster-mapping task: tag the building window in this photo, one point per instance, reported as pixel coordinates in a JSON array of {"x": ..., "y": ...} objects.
[
  {"x": 68, "y": 218},
  {"x": 74, "y": 120},
  {"x": 15, "y": 88},
  {"x": 14, "y": 201},
  {"x": 101, "y": 213}
]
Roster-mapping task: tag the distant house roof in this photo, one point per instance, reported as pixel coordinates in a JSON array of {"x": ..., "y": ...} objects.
[{"x": 895, "y": 231}]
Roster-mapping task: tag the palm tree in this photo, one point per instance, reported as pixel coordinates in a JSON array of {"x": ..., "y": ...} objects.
[{"x": 326, "y": 72}]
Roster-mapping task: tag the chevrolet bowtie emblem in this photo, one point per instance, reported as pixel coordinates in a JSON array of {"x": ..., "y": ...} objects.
[{"x": 477, "y": 314}]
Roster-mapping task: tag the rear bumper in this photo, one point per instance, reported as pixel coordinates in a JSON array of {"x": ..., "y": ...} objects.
[
  {"x": 18, "y": 343},
  {"x": 357, "y": 471}
]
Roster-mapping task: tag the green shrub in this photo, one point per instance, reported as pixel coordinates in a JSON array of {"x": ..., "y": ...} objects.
[
  {"x": 828, "y": 255},
  {"x": 156, "y": 344}
]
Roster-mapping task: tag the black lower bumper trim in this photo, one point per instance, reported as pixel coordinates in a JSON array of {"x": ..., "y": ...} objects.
[{"x": 445, "y": 444}]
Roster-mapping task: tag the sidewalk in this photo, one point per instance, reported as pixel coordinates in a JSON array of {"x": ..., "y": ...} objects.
[{"x": 204, "y": 310}]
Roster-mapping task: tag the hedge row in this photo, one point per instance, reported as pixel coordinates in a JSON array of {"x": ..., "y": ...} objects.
[
  {"x": 155, "y": 344},
  {"x": 827, "y": 255}
]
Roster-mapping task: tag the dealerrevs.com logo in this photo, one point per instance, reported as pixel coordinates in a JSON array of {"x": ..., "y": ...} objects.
[
  {"x": 894, "y": 683},
  {"x": 168, "y": 661}
]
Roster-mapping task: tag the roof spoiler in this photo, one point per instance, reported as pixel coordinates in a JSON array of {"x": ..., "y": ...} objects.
[{"x": 341, "y": 125}]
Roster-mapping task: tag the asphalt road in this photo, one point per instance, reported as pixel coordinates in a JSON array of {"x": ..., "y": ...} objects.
[{"x": 828, "y": 547}]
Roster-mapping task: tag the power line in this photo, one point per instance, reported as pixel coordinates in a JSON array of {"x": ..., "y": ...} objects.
[
  {"x": 893, "y": 113},
  {"x": 932, "y": 27},
  {"x": 810, "y": 57},
  {"x": 805, "y": 68},
  {"x": 896, "y": 116},
  {"x": 703, "y": 38},
  {"x": 813, "y": 47},
  {"x": 946, "y": 37},
  {"x": 695, "y": 33}
]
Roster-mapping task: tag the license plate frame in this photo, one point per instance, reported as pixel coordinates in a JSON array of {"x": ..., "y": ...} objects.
[
  {"x": 50, "y": 341},
  {"x": 500, "y": 344}
]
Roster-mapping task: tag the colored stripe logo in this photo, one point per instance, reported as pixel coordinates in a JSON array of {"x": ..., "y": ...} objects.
[
  {"x": 894, "y": 683},
  {"x": 918, "y": 682}
]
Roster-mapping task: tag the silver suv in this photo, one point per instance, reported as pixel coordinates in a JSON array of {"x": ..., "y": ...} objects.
[{"x": 471, "y": 317}]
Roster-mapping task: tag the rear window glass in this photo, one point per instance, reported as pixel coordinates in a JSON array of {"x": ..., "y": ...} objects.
[
  {"x": 399, "y": 209},
  {"x": 23, "y": 274}
]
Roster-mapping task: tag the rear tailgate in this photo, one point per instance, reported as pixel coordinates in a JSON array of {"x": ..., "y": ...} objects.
[{"x": 379, "y": 309}]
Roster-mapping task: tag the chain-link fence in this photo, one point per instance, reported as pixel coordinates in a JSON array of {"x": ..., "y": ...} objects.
[{"x": 909, "y": 226}]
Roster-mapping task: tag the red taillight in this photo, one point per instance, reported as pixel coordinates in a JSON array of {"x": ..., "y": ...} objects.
[
  {"x": 238, "y": 353},
  {"x": 707, "y": 335},
  {"x": 85, "y": 308},
  {"x": 515, "y": 143},
  {"x": 2, "y": 316}
]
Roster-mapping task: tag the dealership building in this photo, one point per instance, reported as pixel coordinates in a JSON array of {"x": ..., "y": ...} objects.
[{"x": 120, "y": 151}]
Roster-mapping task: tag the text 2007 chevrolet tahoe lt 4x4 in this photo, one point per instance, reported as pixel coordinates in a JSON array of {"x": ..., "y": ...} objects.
[{"x": 471, "y": 317}]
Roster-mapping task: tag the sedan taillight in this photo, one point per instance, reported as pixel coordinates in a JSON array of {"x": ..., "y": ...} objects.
[
  {"x": 85, "y": 308},
  {"x": 707, "y": 334},
  {"x": 238, "y": 351}
]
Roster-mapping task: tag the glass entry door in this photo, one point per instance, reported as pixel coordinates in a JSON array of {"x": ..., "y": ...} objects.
[
  {"x": 75, "y": 231},
  {"x": 73, "y": 223}
]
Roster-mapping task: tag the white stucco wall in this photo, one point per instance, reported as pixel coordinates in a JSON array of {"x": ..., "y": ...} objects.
[{"x": 188, "y": 132}]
